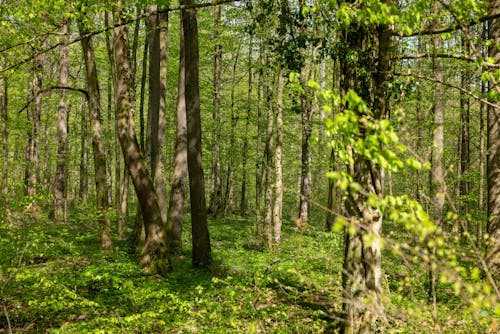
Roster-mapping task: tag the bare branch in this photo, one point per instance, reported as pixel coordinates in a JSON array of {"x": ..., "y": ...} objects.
[
  {"x": 450, "y": 56},
  {"x": 49, "y": 89}
]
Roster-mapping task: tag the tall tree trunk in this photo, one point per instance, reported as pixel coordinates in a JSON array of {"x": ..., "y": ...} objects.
[
  {"x": 202, "y": 256},
  {"x": 268, "y": 162},
  {"x": 156, "y": 105},
  {"x": 84, "y": 180},
  {"x": 437, "y": 182},
  {"x": 464, "y": 141},
  {"x": 493, "y": 145},
  {"x": 178, "y": 190},
  {"x": 31, "y": 175},
  {"x": 62, "y": 129},
  {"x": 306, "y": 129},
  {"x": 482, "y": 148},
  {"x": 216, "y": 194},
  {"x": 229, "y": 196},
  {"x": 153, "y": 257},
  {"x": 98, "y": 146},
  {"x": 258, "y": 160},
  {"x": 330, "y": 216},
  {"x": 278, "y": 201},
  {"x": 5, "y": 134},
  {"x": 362, "y": 272},
  {"x": 243, "y": 199}
]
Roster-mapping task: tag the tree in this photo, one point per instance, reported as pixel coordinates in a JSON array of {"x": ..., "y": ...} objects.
[
  {"x": 216, "y": 194},
  {"x": 180, "y": 171},
  {"x": 153, "y": 256},
  {"x": 5, "y": 135},
  {"x": 493, "y": 149},
  {"x": 62, "y": 129},
  {"x": 202, "y": 256},
  {"x": 371, "y": 45},
  {"x": 98, "y": 147}
]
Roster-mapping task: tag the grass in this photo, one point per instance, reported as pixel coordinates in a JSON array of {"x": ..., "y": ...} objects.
[{"x": 54, "y": 280}]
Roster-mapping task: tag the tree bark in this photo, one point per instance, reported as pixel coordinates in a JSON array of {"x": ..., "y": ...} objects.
[
  {"x": 229, "y": 196},
  {"x": 362, "y": 272},
  {"x": 202, "y": 256},
  {"x": 5, "y": 134},
  {"x": 98, "y": 146},
  {"x": 278, "y": 156},
  {"x": 243, "y": 199},
  {"x": 178, "y": 189},
  {"x": 62, "y": 129},
  {"x": 493, "y": 151},
  {"x": 216, "y": 194},
  {"x": 437, "y": 182},
  {"x": 84, "y": 180},
  {"x": 153, "y": 256},
  {"x": 32, "y": 156}
]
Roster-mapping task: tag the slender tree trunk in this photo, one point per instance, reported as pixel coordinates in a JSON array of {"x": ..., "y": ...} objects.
[
  {"x": 464, "y": 144},
  {"x": 5, "y": 135},
  {"x": 258, "y": 160},
  {"x": 229, "y": 196},
  {"x": 98, "y": 146},
  {"x": 156, "y": 105},
  {"x": 31, "y": 175},
  {"x": 278, "y": 201},
  {"x": 153, "y": 257},
  {"x": 482, "y": 152},
  {"x": 305, "y": 190},
  {"x": 243, "y": 199},
  {"x": 216, "y": 195},
  {"x": 62, "y": 129},
  {"x": 202, "y": 256},
  {"x": 84, "y": 180},
  {"x": 268, "y": 162},
  {"x": 437, "y": 182},
  {"x": 178, "y": 190},
  {"x": 493, "y": 156}
]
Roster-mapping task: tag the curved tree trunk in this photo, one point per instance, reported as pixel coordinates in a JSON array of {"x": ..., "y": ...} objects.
[{"x": 153, "y": 256}]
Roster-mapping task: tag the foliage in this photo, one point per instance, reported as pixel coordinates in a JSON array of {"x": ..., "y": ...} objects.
[{"x": 53, "y": 283}]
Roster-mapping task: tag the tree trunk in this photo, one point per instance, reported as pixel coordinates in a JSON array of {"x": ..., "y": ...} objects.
[
  {"x": 278, "y": 201},
  {"x": 84, "y": 180},
  {"x": 216, "y": 195},
  {"x": 493, "y": 149},
  {"x": 229, "y": 196},
  {"x": 31, "y": 172},
  {"x": 202, "y": 256},
  {"x": 178, "y": 190},
  {"x": 156, "y": 105},
  {"x": 437, "y": 182},
  {"x": 268, "y": 162},
  {"x": 5, "y": 134},
  {"x": 243, "y": 199},
  {"x": 258, "y": 160},
  {"x": 62, "y": 129},
  {"x": 362, "y": 273},
  {"x": 464, "y": 143},
  {"x": 306, "y": 128},
  {"x": 98, "y": 146},
  {"x": 153, "y": 257}
]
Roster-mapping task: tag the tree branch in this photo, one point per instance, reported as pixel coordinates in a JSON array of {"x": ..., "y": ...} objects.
[
  {"x": 432, "y": 30},
  {"x": 111, "y": 27},
  {"x": 463, "y": 90},
  {"x": 447, "y": 55},
  {"x": 49, "y": 89}
]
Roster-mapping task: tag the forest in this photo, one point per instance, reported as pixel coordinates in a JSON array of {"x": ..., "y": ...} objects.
[{"x": 250, "y": 166}]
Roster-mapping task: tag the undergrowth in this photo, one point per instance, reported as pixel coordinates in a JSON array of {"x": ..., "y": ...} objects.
[{"x": 53, "y": 279}]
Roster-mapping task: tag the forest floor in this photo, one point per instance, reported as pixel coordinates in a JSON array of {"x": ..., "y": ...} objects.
[{"x": 53, "y": 279}]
